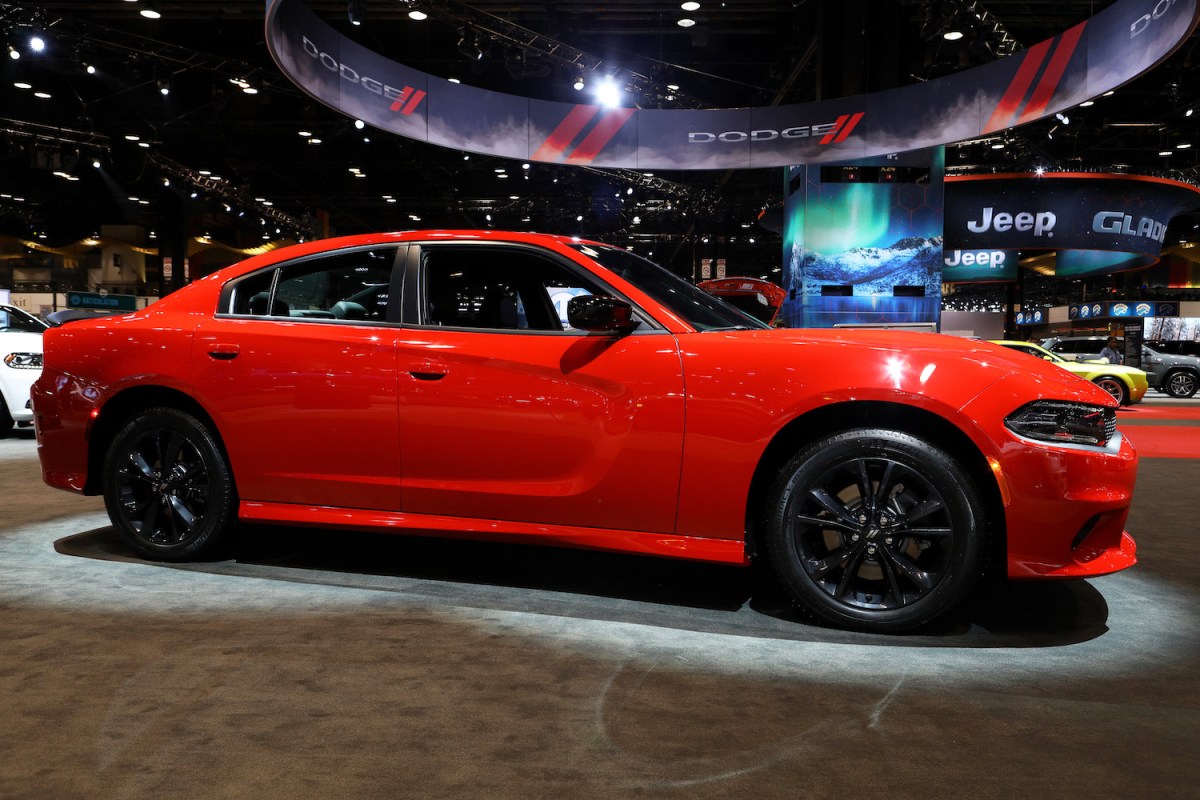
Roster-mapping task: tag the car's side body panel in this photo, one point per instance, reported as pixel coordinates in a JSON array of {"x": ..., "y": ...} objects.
[{"x": 542, "y": 428}]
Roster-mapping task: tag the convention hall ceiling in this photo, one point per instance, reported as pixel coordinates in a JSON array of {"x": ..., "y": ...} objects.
[{"x": 738, "y": 53}]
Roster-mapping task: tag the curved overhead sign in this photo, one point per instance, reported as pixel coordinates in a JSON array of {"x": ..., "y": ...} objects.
[
  {"x": 1124, "y": 214},
  {"x": 1118, "y": 44}
]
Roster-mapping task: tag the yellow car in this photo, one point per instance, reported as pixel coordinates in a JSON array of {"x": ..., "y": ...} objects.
[{"x": 1126, "y": 384}]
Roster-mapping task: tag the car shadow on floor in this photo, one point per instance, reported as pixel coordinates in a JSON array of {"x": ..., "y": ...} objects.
[{"x": 612, "y": 587}]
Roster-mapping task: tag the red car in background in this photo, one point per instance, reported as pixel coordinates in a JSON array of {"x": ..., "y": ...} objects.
[
  {"x": 758, "y": 298},
  {"x": 425, "y": 382}
]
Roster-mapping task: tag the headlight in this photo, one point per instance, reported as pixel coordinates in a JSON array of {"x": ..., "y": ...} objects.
[
  {"x": 1064, "y": 423},
  {"x": 23, "y": 360}
]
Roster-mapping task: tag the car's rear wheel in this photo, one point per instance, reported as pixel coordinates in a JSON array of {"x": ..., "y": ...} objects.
[
  {"x": 1181, "y": 383},
  {"x": 167, "y": 486},
  {"x": 1114, "y": 386},
  {"x": 875, "y": 530}
]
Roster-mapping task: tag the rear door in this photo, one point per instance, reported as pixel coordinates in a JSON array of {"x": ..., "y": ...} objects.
[{"x": 299, "y": 372}]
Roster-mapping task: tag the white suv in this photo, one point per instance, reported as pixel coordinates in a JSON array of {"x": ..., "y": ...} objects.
[{"x": 20, "y": 365}]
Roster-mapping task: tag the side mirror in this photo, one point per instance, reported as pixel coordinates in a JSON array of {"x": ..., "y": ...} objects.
[{"x": 600, "y": 312}]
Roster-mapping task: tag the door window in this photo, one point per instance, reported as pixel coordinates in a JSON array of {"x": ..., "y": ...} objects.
[
  {"x": 493, "y": 288},
  {"x": 347, "y": 286}
]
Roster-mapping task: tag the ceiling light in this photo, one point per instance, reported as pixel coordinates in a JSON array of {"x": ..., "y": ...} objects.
[
  {"x": 13, "y": 53},
  {"x": 129, "y": 137},
  {"x": 998, "y": 146},
  {"x": 305, "y": 134},
  {"x": 358, "y": 123},
  {"x": 1183, "y": 145},
  {"x": 164, "y": 87},
  {"x": 37, "y": 44},
  {"x": 1188, "y": 113},
  {"x": 22, "y": 85},
  {"x": 578, "y": 84},
  {"x": 96, "y": 163},
  {"x": 453, "y": 80},
  {"x": 691, "y": 5},
  {"x": 356, "y": 10},
  {"x": 249, "y": 89},
  {"x": 1087, "y": 103},
  {"x": 686, "y": 22},
  {"x": 42, "y": 95},
  {"x": 417, "y": 13},
  {"x": 149, "y": 12},
  {"x": 607, "y": 93},
  {"x": 1165, "y": 152},
  {"x": 952, "y": 35},
  {"x": 90, "y": 69}
]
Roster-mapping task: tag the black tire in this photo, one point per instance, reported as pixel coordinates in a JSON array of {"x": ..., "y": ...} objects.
[
  {"x": 885, "y": 557},
  {"x": 1181, "y": 383},
  {"x": 1114, "y": 386},
  {"x": 167, "y": 487},
  {"x": 6, "y": 420}
]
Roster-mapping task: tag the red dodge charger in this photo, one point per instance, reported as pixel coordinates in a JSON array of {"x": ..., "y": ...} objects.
[{"x": 536, "y": 388}]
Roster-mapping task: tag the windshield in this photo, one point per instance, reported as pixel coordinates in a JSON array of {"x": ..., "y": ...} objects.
[
  {"x": 695, "y": 306},
  {"x": 14, "y": 319}
]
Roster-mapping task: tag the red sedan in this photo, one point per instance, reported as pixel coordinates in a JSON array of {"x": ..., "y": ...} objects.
[{"x": 536, "y": 388}]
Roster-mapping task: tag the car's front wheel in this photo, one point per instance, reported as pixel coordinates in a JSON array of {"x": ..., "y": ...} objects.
[
  {"x": 1181, "y": 383},
  {"x": 1114, "y": 386},
  {"x": 167, "y": 487},
  {"x": 875, "y": 530}
]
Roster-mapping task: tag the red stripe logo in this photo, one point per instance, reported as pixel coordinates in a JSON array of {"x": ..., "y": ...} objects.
[
  {"x": 842, "y": 128},
  {"x": 558, "y": 145},
  {"x": 408, "y": 100},
  {"x": 1008, "y": 111}
]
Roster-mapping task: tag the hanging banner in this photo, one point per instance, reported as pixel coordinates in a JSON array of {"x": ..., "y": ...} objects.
[
  {"x": 1123, "y": 214},
  {"x": 1115, "y": 46},
  {"x": 979, "y": 266}
]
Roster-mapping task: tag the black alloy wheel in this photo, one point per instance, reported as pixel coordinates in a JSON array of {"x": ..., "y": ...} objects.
[
  {"x": 167, "y": 486},
  {"x": 1114, "y": 386},
  {"x": 875, "y": 530},
  {"x": 1182, "y": 383}
]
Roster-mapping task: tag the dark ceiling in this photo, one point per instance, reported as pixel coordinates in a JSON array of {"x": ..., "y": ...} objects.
[{"x": 740, "y": 53}]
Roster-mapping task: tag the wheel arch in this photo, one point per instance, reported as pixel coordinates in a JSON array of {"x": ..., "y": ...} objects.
[
  {"x": 124, "y": 406},
  {"x": 879, "y": 414}
]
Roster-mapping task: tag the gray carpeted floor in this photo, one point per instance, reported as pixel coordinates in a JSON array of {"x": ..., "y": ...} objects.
[{"x": 330, "y": 665}]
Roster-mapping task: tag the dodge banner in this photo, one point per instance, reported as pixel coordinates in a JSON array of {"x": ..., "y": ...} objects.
[{"x": 1113, "y": 47}]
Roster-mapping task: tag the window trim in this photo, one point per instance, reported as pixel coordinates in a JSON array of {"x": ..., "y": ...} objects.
[{"x": 395, "y": 288}]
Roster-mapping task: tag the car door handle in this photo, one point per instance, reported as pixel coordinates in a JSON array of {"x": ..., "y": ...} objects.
[
  {"x": 428, "y": 371},
  {"x": 224, "y": 352}
]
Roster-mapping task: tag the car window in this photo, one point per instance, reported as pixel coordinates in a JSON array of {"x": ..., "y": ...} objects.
[
  {"x": 498, "y": 288},
  {"x": 347, "y": 286},
  {"x": 14, "y": 319},
  {"x": 701, "y": 310}
]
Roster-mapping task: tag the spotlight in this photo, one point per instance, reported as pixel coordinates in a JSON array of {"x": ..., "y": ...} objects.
[
  {"x": 90, "y": 69},
  {"x": 37, "y": 44},
  {"x": 13, "y": 53},
  {"x": 358, "y": 123},
  {"x": 356, "y": 11},
  {"x": 468, "y": 45},
  {"x": 608, "y": 94},
  {"x": 578, "y": 84},
  {"x": 164, "y": 86}
]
